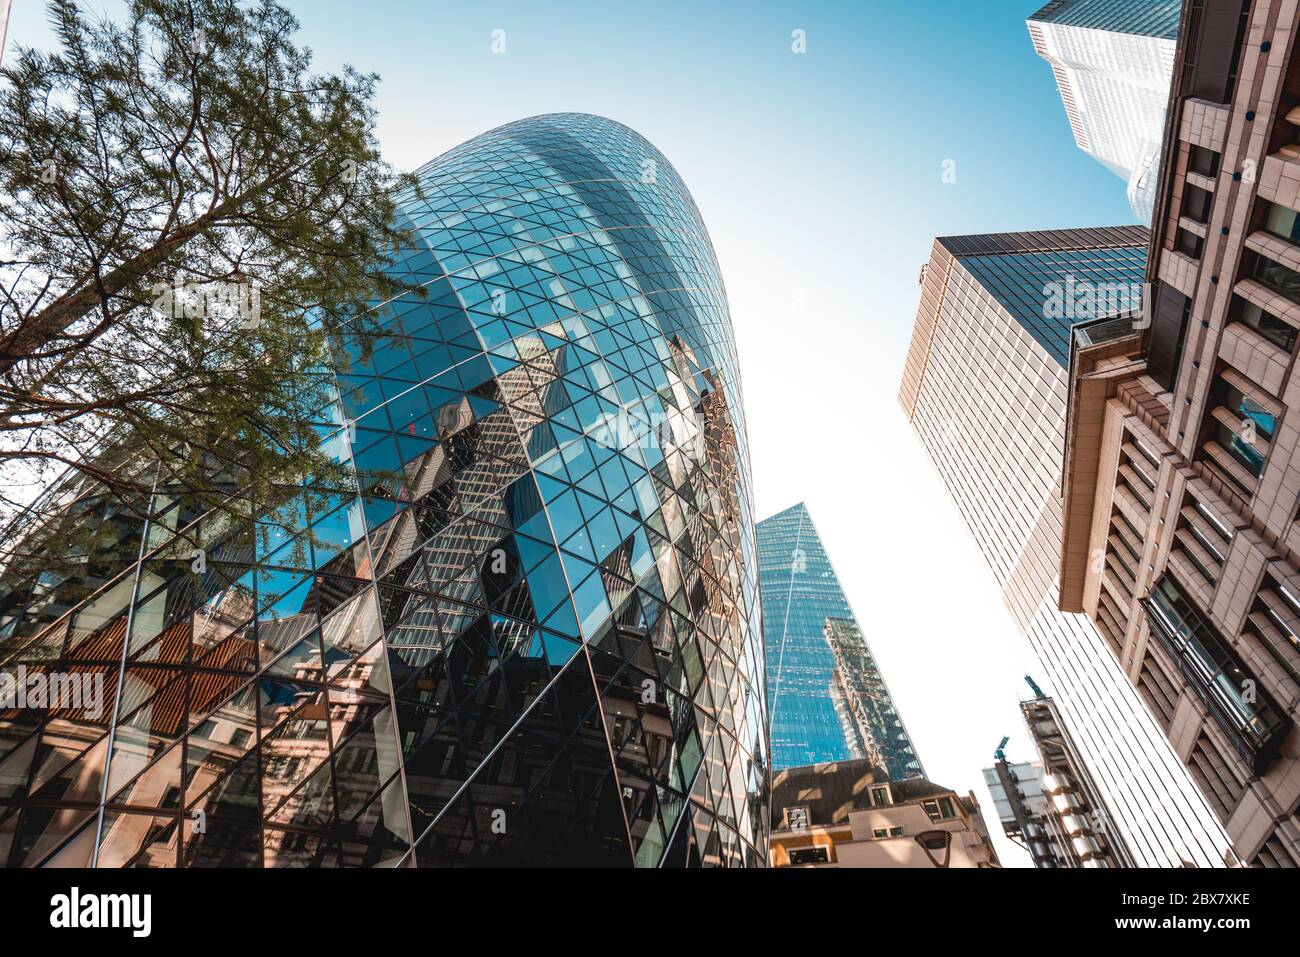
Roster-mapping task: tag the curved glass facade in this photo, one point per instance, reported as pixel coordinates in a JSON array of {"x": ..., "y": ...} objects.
[{"x": 532, "y": 638}]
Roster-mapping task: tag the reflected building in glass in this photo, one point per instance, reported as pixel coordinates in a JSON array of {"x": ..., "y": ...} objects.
[
  {"x": 985, "y": 386},
  {"x": 532, "y": 637},
  {"x": 826, "y": 695}
]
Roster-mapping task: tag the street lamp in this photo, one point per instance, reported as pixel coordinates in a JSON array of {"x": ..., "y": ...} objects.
[{"x": 936, "y": 840}]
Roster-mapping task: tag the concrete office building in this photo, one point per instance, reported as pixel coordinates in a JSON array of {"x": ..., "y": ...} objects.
[
  {"x": 1182, "y": 470},
  {"x": 1058, "y": 813},
  {"x": 1112, "y": 60},
  {"x": 1022, "y": 808},
  {"x": 1051, "y": 807},
  {"x": 985, "y": 388}
]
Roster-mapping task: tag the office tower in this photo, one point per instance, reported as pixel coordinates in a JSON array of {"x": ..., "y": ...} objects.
[
  {"x": 985, "y": 388},
  {"x": 1113, "y": 61},
  {"x": 826, "y": 696},
  {"x": 1023, "y": 810},
  {"x": 1051, "y": 807},
  {"x": 532, "y": 637},
  {"x": 1180, "y": 538},
  {"x": 851, "y": 814}
]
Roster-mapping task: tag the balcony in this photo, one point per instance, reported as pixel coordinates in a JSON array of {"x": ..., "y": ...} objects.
[{"x": 1240, "y": 706}]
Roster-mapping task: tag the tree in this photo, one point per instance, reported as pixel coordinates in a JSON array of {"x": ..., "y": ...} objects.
[{"x": 195, "y": 231}]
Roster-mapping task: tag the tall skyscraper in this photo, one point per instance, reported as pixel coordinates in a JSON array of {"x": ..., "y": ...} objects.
[
  {"x": 530, "y": 637},
  {"x": 1051, "y": 807},
  {"x": 985, "y": 388},
  {"x": 1025, "y": 811},
  {"x": 1113, "y": 61},
  {"x": 1181, "y": 540},
  {"x": 826, "y": 696}
]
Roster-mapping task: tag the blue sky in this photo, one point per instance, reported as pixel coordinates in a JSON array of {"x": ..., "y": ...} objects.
[{"x": 819, "y": 175}]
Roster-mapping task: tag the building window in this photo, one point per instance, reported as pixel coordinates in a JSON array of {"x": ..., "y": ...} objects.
[
  {"x": 880, "y": 833},
  {"x": 1213, "y": 48},
  {"x": 1188, "y": 243},
  {"x": 1280, "y": 279},
  {"x": 1282, "y": 222},
  {"x": 1232, "y": 695},
  {"x": 1170, "y": 316},
  {"x": 797, "y": 818},
  {"x": 880, "y": 796},
  {"x": 1292, "y": 605},
  {"x": 1202, "y": 539},
  {"x": 1203, "y": 161},
  {"x": 940, "y": 810},
  {"x": 1251, "y": 423},
  {"x": 1275, "y": 618},
  {"x": 1281, "y": 334},
  {"x": 1139, "y": 473},
  {"x": 1215, "y": 522},
  {"x": 895, "y": 832},
  {"x": 810, "y": 855},
  {"x": 1239, "y": 429},
  {"x": 1197, "y": 203}
]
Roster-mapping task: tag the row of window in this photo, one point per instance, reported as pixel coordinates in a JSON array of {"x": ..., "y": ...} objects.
[
  {"x": 1244, "y": 711},
  {"x": 799, "y": 817}
]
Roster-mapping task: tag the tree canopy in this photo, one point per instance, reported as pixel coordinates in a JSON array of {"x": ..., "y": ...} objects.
[{"x": 191, "y": 221}]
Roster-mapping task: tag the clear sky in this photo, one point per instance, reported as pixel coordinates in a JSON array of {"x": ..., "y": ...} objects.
[{"x": 820, "y": 178}]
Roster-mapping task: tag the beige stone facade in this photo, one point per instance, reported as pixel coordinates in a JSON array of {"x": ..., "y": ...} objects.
[
  {"x": 1182, "y": 470},
  {"x": 849, "y": 814},
  {"x": 985, "y": 387}
]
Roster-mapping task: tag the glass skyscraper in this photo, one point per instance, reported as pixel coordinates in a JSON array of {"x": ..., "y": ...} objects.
[
  {"x": 826, "y": 696},
  {"x": 531, "y": 636},
  {"x": 985, "y": 388},
  {"x": 1113, "y": 61}
]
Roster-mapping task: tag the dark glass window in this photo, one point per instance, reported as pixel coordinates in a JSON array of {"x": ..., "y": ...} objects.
[
  {"x": 1203, "y": 161},
  {"x": 1283, "y": 281},
  {"x": 1243, "y": 709},
  {"x": 1215, "y": 33},
  {"x": 796, "y": 818},
  {"x": 940, "y": 809},
  {"x": 1188, "y": 243},
  {"x": 809, "y": 855},
  {"x": 1281, "y": 334},
  {"x": 1254, "y": 417},
  {"x": 1282, "y": 221},
  {"x": 1197, "y": 203}
]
